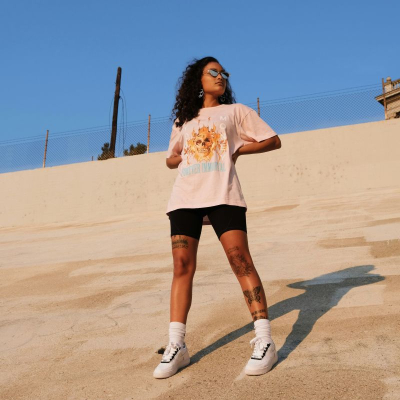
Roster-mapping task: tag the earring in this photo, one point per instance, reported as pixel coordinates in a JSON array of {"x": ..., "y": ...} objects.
[
  {"x": 222, "y": 98},
  {"x": 201, "y": 94}
]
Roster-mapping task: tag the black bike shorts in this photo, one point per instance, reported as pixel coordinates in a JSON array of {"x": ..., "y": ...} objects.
[{"x": 223, "y": 218}]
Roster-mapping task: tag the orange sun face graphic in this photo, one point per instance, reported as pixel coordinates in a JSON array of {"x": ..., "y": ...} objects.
[{"x": 204, "y": 143}]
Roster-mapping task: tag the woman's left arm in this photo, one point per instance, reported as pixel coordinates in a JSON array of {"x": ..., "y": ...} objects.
[{"x": 270, "y": 144}]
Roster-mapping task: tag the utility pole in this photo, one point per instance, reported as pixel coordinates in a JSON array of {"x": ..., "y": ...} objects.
[
  {"x": 115, "y": 114},
  {"x": 45, "y": 150},
  {"x": 384, "y": 98},
  {"x": 148, "y": 135}
]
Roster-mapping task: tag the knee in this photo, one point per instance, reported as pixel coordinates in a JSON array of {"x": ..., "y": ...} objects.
[
  {"x": 183, "y": 268},
  {"x": 242, "y": 264}
]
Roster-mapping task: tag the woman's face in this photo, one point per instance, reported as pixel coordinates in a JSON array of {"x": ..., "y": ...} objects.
[{"x": 215, "y": 86}]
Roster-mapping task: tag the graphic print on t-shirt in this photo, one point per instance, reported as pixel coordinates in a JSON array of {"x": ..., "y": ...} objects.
[
  {"x": 207, "y": 174},
  {"x": 204, "y": 143}
]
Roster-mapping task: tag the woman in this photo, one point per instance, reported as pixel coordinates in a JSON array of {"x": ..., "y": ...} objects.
[{"x": 209, "y": 133}]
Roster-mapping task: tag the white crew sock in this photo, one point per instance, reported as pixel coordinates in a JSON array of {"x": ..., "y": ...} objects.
[
  {"x": 263, "y": 329},
  {"x": 177, "y": 332}
]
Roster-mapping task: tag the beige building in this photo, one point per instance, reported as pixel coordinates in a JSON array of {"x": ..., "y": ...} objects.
[{"x": 390, "y": 98}]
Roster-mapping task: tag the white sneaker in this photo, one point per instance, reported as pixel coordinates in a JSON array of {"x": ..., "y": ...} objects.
[
  {"x": 174, "y": 358},
  {"x": 263, "y": 358}
]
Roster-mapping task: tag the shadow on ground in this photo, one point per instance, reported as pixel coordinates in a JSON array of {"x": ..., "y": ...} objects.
[{"x": 319, "y": 296}]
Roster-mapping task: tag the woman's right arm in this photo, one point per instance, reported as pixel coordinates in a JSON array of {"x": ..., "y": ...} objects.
[
  {"x": 173, "y": 161},
  {"x": 175, "y": 147}
]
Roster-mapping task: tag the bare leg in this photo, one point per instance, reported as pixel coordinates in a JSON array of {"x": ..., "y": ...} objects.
[
  {"x": 236, "y": 249},
  {"x": 184, "y": 253}
]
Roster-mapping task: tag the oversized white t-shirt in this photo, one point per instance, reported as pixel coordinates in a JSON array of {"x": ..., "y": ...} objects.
[{"x": 207, "y": 175}]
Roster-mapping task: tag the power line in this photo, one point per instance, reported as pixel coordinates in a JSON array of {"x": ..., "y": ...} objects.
[{"x": 126, "y": 124}]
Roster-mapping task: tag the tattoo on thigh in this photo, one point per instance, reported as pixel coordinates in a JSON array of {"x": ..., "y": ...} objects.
[
  {"x": 235, "y": 248},
  {"x": 253, "y": 295},
  {"x": 241, "y": 267},
  {"x": 180, "y": 243}
]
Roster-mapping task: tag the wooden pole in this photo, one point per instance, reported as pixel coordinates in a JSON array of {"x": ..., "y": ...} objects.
[
  {"x": 258, "y": 106},
  {"x": 115, "y": 113},
  {"x": 148, "y": 135},
  {"x": 45, "y": 149},
  {"x": 384, "y": 98}
]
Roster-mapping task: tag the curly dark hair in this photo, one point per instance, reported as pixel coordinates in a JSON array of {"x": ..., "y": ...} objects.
[{"x": 188, "y": 103}]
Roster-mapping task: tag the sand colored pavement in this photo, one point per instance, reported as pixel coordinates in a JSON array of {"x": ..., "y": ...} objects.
[{"x": 85, "y": 301}]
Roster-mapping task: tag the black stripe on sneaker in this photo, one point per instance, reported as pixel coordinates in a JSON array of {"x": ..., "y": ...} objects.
[
  {"x": 264, "y": 353},
  {"x": 173, "y": 356}
]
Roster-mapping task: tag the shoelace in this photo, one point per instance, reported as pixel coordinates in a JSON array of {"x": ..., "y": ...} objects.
[
  {"x": 169, "y": 351},
  {"x": 259, "y": 345}
]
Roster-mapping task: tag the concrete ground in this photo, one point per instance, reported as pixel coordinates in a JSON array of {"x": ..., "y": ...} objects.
[{"x": 85, "y": 306}]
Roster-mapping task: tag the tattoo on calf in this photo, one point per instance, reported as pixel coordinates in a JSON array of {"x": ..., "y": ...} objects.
[
  {"x": 253, "y": 295},
  {"x": 259, "y": 311},
  {"x": 256, "y": 317},
  {"x": 241, "y": 267},
  {"x": 180, "y": 243}
]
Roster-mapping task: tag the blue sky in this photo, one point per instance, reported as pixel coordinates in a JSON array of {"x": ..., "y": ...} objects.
[{"x": 60, "y": 58}]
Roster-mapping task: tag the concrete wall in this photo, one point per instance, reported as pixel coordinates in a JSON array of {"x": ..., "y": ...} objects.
[{"x": 336, "y": 160}]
